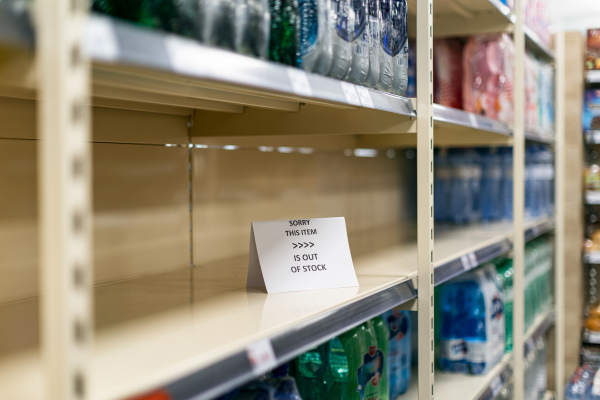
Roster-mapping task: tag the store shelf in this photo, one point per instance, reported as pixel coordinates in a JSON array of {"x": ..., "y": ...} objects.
[
  {"x": 592, "y": 197},
  {"x": 467, "y": 387},
  {"x": 590, "y": 337},
  {"x": 535, "y": 45},
  {"x": 191, "y": 335},
  {"x": 539, "y": 138},
  {"x": 592, "y": 76},
  {"x": 539, "y": 328},
  {"x": 538, "y": 227}
]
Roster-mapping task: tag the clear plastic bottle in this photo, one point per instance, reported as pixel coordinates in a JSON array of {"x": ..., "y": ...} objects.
[
  {"x": 386, "y": 43},
  {"x": 507, "y": 184},
  {"x": 283, "y": 39},
  {"x": 316, "y": 51},
  {"x": 461, "y": 202},
  {"x": 400, "y": 52},
  {"x": 253, "y": 21},
  {"x": 441, "y": 185},
  {"x": 343, "y": 21},
  {"x": 219, "y": 23},
  {"x": 491, "y": 185},
  {"x": 374, "y": 26},
  {"x": 360, "y": 39}
]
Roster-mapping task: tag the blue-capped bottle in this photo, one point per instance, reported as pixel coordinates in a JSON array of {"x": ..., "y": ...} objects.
[
  {"x": 491, "y": 185},
  {"x": 315, "y": 47},
  {"x": 343, "y": 23},
  {"x": 359, "y": 38}
]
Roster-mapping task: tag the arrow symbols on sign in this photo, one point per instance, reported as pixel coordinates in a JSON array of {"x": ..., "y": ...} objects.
[{"x": 303, "y": 244}]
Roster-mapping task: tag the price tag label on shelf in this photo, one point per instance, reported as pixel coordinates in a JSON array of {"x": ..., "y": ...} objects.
[
  {"x": 365, "y": 97},
  {"x": 593, "y": 337},
  {"x": 350, "y": 93},
  {"x": 469, "y": 261},
  {"x": 496, "y": 385},
  {"x": 299, "y": 81},
  {"x": 101, "y": 39},
  {"x": 300, "y": 254},
  {"x": 473, "y": 120},
  {"x": 261, "y": 356},
  {"x": 592, "y": 197}
]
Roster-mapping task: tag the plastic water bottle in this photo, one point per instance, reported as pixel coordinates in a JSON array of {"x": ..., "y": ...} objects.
[
  {"x": 475, "y": 329},
  {"x": 316, "y": 51},
  {"x": 374, "y": 26},
  {"x": 541, "y": 368},
  {"x": 453, "y": 308},
  {"x": 473, "y": 162},
  {"x": 400, "y": 50},
  {"x": 219, "y": 23},
  {"x": 461, "y": 201},
  {"x": 287, "y": 390},
  {"x": 343, "y": 21},
  {"x": 253, "y": 26},
  {"x": 386, "y": 43},
  {"x": 507, "y": 184},
  {"x": 283, "y": 40},
  {"x": 399, "y": 351},
  {"x": 491, "y": 185},
  {"x": 594, "y": 389},
  {"x": 441, "y": 185},
  {"x": 359, "y": 37}
]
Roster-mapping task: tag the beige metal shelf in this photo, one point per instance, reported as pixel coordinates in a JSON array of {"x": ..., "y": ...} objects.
[{"x": 154, "y": 330}]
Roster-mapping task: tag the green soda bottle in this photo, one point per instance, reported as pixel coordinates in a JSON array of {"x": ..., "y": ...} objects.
[
  {"x": 365, "y": 362},
  {"x": 285, "y": 24},
  {"x": 505, "y": 276},
  {"x": 322, "y": 372}
]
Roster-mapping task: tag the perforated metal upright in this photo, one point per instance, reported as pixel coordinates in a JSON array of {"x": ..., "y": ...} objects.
[
  {"x": 64, "y": 171},
  {"x": 425, "y": 196}
]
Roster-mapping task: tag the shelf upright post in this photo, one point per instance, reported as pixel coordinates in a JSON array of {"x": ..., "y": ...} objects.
[
  {"x": 519, "y": 203},
  {"x": 560, "y": 200},
  {"x": 64, "y": 171},
  {"x": 425, "y": 196}
]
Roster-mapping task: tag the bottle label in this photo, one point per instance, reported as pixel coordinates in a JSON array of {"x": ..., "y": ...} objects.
[
  {"x": 454, "y": 349},
  {"x": 370, "y": 373},
  {"x": 341, "y": 8},
  {"x": 476, "y": 351}
]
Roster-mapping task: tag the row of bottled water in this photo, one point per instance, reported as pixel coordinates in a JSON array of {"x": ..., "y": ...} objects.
[
  {"x": 361, "y": 41},
  {"x": 536, "y": 373},
  {"x": 584, "y": 384},
  {"x": 477, "y": 184},
  {"x": 476, "y": 309}
]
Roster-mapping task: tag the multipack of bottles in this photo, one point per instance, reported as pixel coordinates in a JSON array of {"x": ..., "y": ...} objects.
[
  {"x": 584, "y": 384},
  {"x": 371, "y": 361},
  {"x": 274, "y": 385},
  {"x": 447, "y": 77},
  {"x": 537, "y": 17},
  {"x": 474, "y": 185},
  {"x": 539, "y": 255},
  {"x": 488, "y": 76},
  {"x": 361, "y": 41},
  {"x": 539, "y": 96},
  {"x": 472, "y": 322}
]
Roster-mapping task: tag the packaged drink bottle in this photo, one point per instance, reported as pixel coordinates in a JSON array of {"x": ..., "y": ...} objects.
[
  {"x": 461, "y": 201},
  {"x": 256, "y": 391},
  {"x": 400, "y": 51},
  {"x": 253, "y": 21},
  {"x": 366, "y": 362},
  {"x": 578, "y": 385},
  {"x": 453, "y": 308},
  {"x": 283, "y": 38},
  {"x": 343, "y": 21},
  {"x": 594, "y": 388},
  {"x": 399, "y": 351},
  {"x": 359, "y": 37},
  {"x": 315, "y": 47},
  {"x": 541, "y": 369},
  {"x": 382, "y": 336},
  {"x": 322, "y": 372},
  {"x": 176, "y": 16},
  {"x": 286, "y": 389},
  {"x": 386, "y": 44},
  {"x": 473, "y": 163},
  {"x": 491, "y": 185},
  {"x": 441, "y": 185},
  {"x": 374, "y": 26},
  {"x": 411, "y": 88},
  {"x": 507, "y": 184},
  {"x": 505, "y": 277},
  {"x": 219, "y": 23}
]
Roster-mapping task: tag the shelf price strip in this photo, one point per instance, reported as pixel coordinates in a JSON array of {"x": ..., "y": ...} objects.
[
  {"x": 496, "y": 385},
  {"x": 261, "y": 356},
  {"x": 469, "y": 261}
]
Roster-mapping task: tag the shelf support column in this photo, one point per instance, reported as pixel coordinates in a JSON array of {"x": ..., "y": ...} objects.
[
  {"x": 64, "y": 174},
  {"x": 519, "y": 203},
  {"x": 425, "y": 196},
  {"x": 560, "y": 200}
]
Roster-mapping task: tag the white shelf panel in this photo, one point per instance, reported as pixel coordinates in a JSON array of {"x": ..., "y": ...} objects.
[
  {"x": 592, "y": 197},
  {"x": 539, "y": 138},
  {"x": 592, "y": 76},
  {"x": 151, "y": 334}
]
